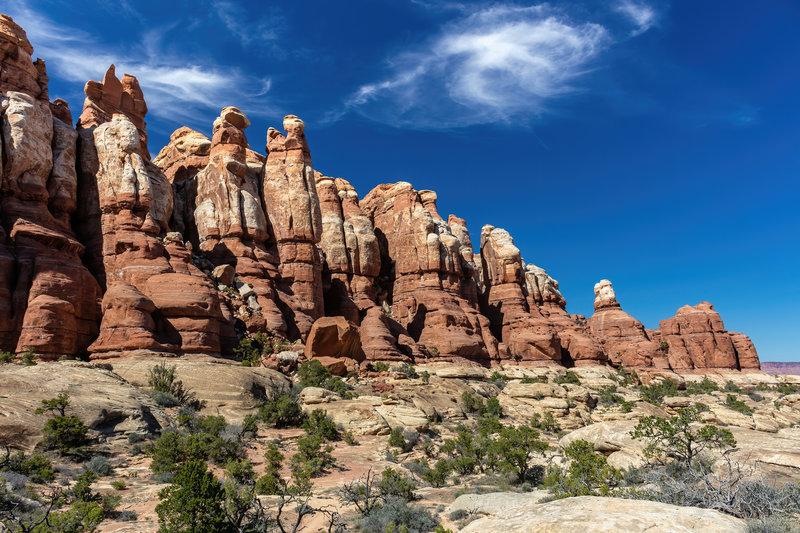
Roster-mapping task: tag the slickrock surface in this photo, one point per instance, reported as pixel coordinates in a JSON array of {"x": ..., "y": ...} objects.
[
  {"x": 606, "y": 515},
  {"x": 103, "y": 250}
]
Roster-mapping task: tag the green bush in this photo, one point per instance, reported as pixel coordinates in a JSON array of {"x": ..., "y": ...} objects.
[
  {"x": 706, "y": 386},
  {"x": 82, "y": 516},
  {"x": 37, "y": 467},
  {"x": 730, "y": 386},
  {"x": 319, "y": 423},
  {"x": 472, "y": 403},
  {"x": 396, "y": 439},
  {"x": 282, "y": 412},
  {"x": 7, "y": 357},
  {"x": 271, "y": 482},
  {"x": 409, "y": 371},
  {"x": 64, "y": 433},
  {"x": 732, "y": 402},
  {"x": 536, "y": 379},
  {"x": 82, "y": 489},
  {"x": 393, "y": 484},
  {"x": 514, "y": 448},
  {"x": 162, "y": 378},
  {"x": 398, "y": 516},
  {"x": 29, "y": 357},
  {"x": 379, "y": 366},
  {"x": 118, "y": 485},
  {"x": 656, "y": 392},
  {"x": 312, "y": 458},
  {"x": 679, "y": 437},
  {"x": 167, "y": 453},
  {"x": 314, "y": 374},
  {"x": 241, "y": 470},
  {"x": 607, "y": 395},
  {"x": 588, "y": 473},
  {"x": 436, "y": 476},
  {"x": 100, "y": 466},
  {"x": 193, "y": 503},
  {"x": 570, "y": 378},
  {"x": 547, "y": 423}
]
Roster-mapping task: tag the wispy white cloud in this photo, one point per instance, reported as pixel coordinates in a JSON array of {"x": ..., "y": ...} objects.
[
  {"x": 247, "y": 28},
  {"x": 497, "y": 64},
  {"x": 173, "y": 88},
  {"x": 642, "y": 15}
]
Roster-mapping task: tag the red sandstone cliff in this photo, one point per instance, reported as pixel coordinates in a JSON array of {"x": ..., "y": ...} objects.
[{"x": 106, "y": 251}]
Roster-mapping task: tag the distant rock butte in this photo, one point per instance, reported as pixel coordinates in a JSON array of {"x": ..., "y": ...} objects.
[{"x": 105, "y": 251}]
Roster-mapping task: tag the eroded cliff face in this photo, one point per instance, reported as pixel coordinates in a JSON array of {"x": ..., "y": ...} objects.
[
  {"x": 49, "y": 302},
  {"x": 103, "y": 250}
]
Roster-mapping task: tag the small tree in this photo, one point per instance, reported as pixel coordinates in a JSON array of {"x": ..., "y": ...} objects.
[
  {"x": 588, "y": 473},
  {"x": 514, "y": 448},
  {"x": 681, "y": 436},
  {"x": 193, "y": 503},
  {"x": 61, "y": 432},
  {"x": 282, "y": 412},
  {"x": 162, "y": 378}
]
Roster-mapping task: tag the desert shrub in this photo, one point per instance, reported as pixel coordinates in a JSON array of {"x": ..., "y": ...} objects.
[
  {"x": 379, "y": 366},
  {"x": 425, "y": 376},
  {"x": 314, "y": 374},
  {"x": 396, "y": 439},
  {"x": 664, "y": 347},
  {"x": 608, "y": 395},
  {"x": 468, "y": 450},
  {"x": 349, "y": 438},
  {"x": 163, "y": 399},
  {"x": 787, "y": 388},
  {"x": 706, "y": 386},
  {"x": 82, "y": 516},
  {"x": 513, "y": 449},
  {"x": 730, "y": 386},
  {"x": 128, "y": 516},
  {"x": 99, "y": 465},
  {"x": 498, "y": 380},
  {"x": 193, "y": 503},
  {"x": 240, "y": 470},
  {"x": 282, "y": 412},
  {"x": 773, "y": 524},
  {"x": 409, "y": 371},
  {"x": 167, "y": 452},
  {"x": 64, "y": 433},
  {"x": 7, "y": 357},
  {"x": 732, "y": 402},
  {"x": 471, "y": 403},
  {"x": 313, "y": 457},
  {"x": 162, "y": 378},
  {"x": 570, "y": 378},
  {"x": 82, "y": 489},
  {"x": 36, "y": 467},
  {"x": 679, "y": 438},
  {"x": 545, "y": 423},
  {"x": 369, "y": 492},
  {"x": 536, "y": 379},
  {"x": 396, "y": 516},
  {"x": 29, "y": 357},
  {"x": 133, "y": 438},
  {"x": 626, "y": 378},
  {"x": 436, "y": 476},
  {"x": 61, "y": 432},
  {"x": 271, "y": 482},
  {"x": 319, "y": 423},
  {"x": 110, "y": 503},
  {"x": 588, "y": 473},
  {"x": 657, "y": 391},
  {"x": 118, "y": 485},
  {"x": 458, "y": 514}
]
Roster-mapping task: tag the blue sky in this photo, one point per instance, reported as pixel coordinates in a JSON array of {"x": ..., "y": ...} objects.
[{"x": 654, "y": 144}]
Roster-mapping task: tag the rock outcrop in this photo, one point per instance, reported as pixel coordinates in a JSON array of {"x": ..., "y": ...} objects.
[
  {"x": 104, "y": 251},
  {"x": 153, "y": 289},
  {"x": 48, "y": 299},
  {"x": 697, "y": 339},
  {"x": 422, "y": 275},
  {"x": 625, "y": 339}
]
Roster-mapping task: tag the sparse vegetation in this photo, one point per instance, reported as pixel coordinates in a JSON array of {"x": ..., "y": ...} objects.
[
  {"x": 570, "y": 378},
  {"x": 167, "y": 389},
  {"x": 655, "y": 392},
  {"x": 62, "y": 432},
  {"x": 314, "y": 374},
  {"x": 733, "y": 402}
]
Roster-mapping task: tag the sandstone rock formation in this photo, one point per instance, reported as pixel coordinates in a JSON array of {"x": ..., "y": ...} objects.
[
  {"x": 48, "y": 299},
  {"x": 422, "y": 276},
  {"x": 624, "y": 338},
  {"x": 102, "y": 250},
  {"x": 295, "y": 220},
  {"x": 164, "y": 298},
  {"x": 697, "y": 339}
]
